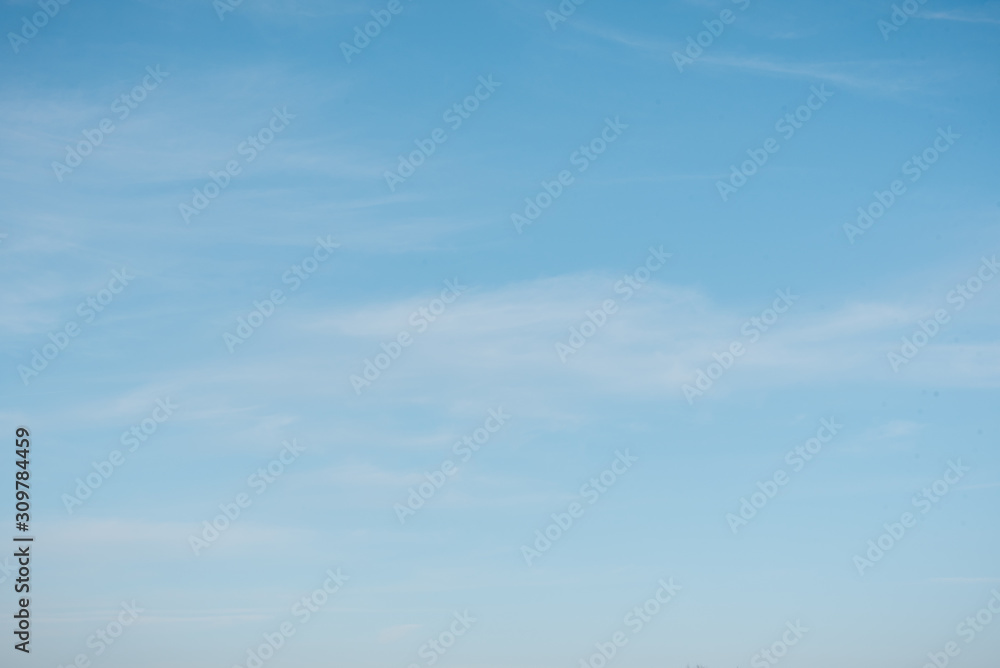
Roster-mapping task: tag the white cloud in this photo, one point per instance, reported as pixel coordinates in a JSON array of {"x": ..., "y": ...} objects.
[{"x": 958, "y": 15}]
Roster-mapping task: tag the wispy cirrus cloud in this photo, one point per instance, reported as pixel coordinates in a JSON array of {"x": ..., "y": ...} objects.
[
  {"x": 960, "y": 16},
  {"x": 870, "y": 76}
]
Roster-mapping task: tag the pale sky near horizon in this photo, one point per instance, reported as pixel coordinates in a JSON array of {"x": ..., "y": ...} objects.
[{"x": 405, "y": 306}]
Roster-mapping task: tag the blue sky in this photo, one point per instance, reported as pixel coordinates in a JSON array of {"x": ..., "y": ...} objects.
[{"x": 329, "y": 266}]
